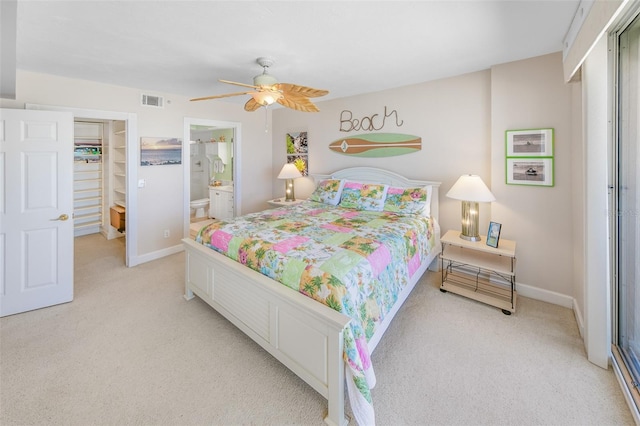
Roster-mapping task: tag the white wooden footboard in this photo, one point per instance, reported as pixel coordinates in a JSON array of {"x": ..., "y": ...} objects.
[
  {"x": 303, "y": 334},
  {"x": 306, "y": 336}
]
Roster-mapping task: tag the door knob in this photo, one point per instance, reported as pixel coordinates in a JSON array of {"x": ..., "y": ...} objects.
[{"x": 62, "y": 217}]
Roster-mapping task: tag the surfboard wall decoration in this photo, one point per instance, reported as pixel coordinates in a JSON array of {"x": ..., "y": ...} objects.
[{"x": 377, "y": 145}]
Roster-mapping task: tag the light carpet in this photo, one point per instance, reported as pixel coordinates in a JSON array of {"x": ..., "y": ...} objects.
[{"x": 130, "y": 350}]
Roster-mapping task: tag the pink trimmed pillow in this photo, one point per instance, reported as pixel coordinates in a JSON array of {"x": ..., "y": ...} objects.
[
  {"x": 409, "y": 200},
  {"x": 328, "y": 191},
  {"x": 363, "y": 196}
]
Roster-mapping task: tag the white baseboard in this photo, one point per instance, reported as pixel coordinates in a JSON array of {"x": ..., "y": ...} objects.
[
  {"x": 579, "y": 319},
  {"x": 545, "y": 295},
  {"x": 137, "y": 260},
  {"x": 527, "y": 290},
  {"x": 555, "y": 298}
]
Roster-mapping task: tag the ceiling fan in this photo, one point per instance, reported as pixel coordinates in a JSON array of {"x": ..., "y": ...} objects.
[{"x": 267, "y": 90}]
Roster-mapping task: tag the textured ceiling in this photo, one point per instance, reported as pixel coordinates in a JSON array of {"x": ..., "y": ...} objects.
[{"x": 346, "y": 47}]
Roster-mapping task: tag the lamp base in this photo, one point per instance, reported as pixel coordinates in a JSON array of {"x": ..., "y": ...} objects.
[
  {"x": 470, "y": 221},
  {"x": 289, "y": 193}
]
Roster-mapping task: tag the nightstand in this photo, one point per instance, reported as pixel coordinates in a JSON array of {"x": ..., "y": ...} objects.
[
  {"x": 480, "y": 272},
  {"x": 280, "y": 202}
]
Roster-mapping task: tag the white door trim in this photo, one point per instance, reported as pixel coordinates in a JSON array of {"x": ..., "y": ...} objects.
[
  {"x": 186, "y": 161},
  {"x": 131, "y": 242}
]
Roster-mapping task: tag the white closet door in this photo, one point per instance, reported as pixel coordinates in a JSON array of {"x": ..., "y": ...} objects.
[{"x": 36, "y": 206}]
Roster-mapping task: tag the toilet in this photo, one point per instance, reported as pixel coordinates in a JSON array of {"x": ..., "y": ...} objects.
[{"x": 200, "y": 207}]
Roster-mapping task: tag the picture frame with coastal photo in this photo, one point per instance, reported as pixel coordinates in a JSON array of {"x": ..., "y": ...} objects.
[
  {"x": 530, "y": 171},
  {"x": 493, "y": 235},
  {"x": 529, "y": 143},
  {"x": 529, "y": 157},
  {"x": 160, "y": 151}
]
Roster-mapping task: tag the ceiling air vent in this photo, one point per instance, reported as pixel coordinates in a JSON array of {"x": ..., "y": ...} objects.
[{"x": 153, "y": 101}]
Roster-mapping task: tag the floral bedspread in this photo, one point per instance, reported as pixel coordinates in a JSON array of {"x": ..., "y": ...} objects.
[{"x": 354, "y": 261}]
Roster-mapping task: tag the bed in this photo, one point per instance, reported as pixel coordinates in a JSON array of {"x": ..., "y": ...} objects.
[{"x": 321, "y": 345}]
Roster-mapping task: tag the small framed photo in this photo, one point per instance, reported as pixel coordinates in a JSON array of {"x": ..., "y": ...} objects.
[
  {"x": 530, "y": 171},
  {"x": 494, "y": 234},
  {"x": 529, "y": 143}
]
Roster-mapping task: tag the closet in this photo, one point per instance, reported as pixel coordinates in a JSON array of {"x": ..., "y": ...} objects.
[
  {"x": 118, "y": 193},
  {"x": 87, "y": 177},
  {"x": 99, "y": 177}
]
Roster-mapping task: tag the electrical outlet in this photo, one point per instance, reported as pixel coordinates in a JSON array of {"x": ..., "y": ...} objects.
[{"x": 166, "y": 233}]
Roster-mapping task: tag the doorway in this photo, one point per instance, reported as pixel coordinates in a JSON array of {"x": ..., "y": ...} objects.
[
  {"x": 129, "y": 152},
  {"x": 626, "y": 202},
  {"x": 99, "y": 170},
  {"x": 211, "y": 169}
]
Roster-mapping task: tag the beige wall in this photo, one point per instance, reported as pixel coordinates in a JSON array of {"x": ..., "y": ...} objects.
[
  {"x": 462, "y": 121},
  {"x": 452, "y": 117},
  {"x": 160, "y": 203},
  {"x": 532, "y": 94}
]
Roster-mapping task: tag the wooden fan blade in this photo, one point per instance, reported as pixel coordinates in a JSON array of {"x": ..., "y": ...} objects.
[
  {"x": 220, "y": 96},
  {"x": 309, "y": 92},
  {"x": 298, "y": 103},
  {"x": 238, "y": 84},
  {"x": 251, "y": 105}
]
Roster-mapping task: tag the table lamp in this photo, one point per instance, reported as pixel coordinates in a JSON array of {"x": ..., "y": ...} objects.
[
  {"x": 471, "y": 190},
  {"x": 289, "y": 172}
]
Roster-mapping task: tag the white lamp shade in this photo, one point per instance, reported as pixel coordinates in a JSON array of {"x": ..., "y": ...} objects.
[
  {"x": 471, "y": 188},
  {"x": 289, "y": 171}
]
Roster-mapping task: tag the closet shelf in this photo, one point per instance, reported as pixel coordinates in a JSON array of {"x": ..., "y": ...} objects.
[
  {"x": 87, "y": 224},
  {"x": 87, "y": 177},
  {"x": 117, "y": 192},
  {"x": 79, "y": 217},
  {"x": 89, "y": 180},
  {"x": 85, "y": 199},
  {"x": 85, "y": 191},
  {"x": 87, "y": 208},
  {"x": 81, "y": 172}
]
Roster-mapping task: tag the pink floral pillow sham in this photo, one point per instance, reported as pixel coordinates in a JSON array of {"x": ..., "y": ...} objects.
[
  {"x": 363, "y": 196},
  {"x": 328, "y": 191},
  {"x": 409, "y": 200}
]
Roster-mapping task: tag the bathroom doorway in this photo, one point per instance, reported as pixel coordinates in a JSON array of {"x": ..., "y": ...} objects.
[{"x": 211, "y": 170}]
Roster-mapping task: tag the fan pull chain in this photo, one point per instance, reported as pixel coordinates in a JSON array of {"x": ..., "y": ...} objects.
[{"x": 266, "y": 121}]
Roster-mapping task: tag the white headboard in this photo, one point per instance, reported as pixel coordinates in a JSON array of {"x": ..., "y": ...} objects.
[{"x": 375, "y": 175}]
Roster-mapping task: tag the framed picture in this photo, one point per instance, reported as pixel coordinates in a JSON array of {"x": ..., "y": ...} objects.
[
  {"x": 298, "y": 151},
  {"x": 530, "y": 171},
  {"x": 160, "y": 151},
  {"x": 494, "y": 234},
  {"x": 529, "y": 143}
]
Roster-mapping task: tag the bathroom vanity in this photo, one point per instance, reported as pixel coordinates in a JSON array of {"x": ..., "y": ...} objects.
[{"x": 221, "y": 202}]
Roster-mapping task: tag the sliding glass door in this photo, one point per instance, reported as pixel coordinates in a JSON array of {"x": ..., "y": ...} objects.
[{"x": 626, "y": 227}]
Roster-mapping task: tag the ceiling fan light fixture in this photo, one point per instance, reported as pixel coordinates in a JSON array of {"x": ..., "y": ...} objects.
[
  {"x": 266, "y": 91},
  {"x": 264, "y": 80},
  {"x": 266, "y": 97}
]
